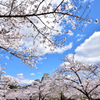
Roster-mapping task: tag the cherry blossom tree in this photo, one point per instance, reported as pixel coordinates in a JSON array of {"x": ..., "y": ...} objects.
[
  {"x": 17, "y": 94},
  {"x": 37, "y": 91},
  {"x": 2, "y": 91},
  {"x": 1, "y": 73},
  {"x": 82, "y": 77},
  {"x": 39, "y": 21},
  {"x": 59, "y": 87},
  {"x": 5, "y": 81},
  {"x": 42, "y": 90}
]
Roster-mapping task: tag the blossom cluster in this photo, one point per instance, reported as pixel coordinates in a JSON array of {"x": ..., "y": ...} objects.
[{"x": 43, "y": 18}]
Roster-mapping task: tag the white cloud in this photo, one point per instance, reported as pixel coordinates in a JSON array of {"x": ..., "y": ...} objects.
[
  {"x": 32, "y": 74},
  {"x": 89, "y": 51},
  {"x": 42, "y": 58},
  {"x": 25, "y": 81},
  {"x": 7, "y": 57},
  {"x": 20, "y": 76},
  {"x": 87, "y": 0},
  {"x": 61, "y": 50},
  {"x": 41, "y": 47},
  {"x": 44, "y": 51},
  {"x": 39, "y": 72},
  {"x": 1, "y": 55},
  {"x": 80, "y": 37},
  {"x": 22, "y": 80}
]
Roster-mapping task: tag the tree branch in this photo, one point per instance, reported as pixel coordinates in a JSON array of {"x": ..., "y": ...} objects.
[
  {"x": 78, "y": 89},
  {"x": 40, "y": 14},
  {"x": 77, "y": 76},
  {"x": 94, "y": 88},
  {"x": 59, "y": 5},
  {"x": 11, "y": 6},
  {"x": 39, "y": 6},
  {"x": 39, "y": 30},
  {"x": 45, "y": 24}
]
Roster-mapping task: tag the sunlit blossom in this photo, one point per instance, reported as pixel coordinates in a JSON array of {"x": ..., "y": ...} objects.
[
  {"x": 90, "y": 21},
  {"x": 73, "y": 27},
  {"x": 96, "y": 21},
  {"x": 75, "y": 8},
  {"x": 37, "y": 29}
]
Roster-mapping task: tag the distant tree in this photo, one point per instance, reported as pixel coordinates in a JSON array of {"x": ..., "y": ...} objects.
[
  {"x": 6, "y": 81},
  {"x": 42, "y": 90},
  {"x": 83, "y": 79},
  {"x": 43, "y": 18},
  {"x": 13, "y": 86},
  {"x": 19, "y": 94},
  {"x": 62, "y": 97},
  {"x": 38, "y": 91},
  {"x": 1, "y": 73}
]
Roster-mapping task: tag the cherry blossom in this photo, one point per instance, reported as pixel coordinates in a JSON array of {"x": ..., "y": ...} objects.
[
  {"x": 84, "y": 78},
  {"x": 38, "y": 21}
]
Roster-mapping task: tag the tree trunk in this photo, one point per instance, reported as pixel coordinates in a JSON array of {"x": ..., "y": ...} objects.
[
  {"x": 89, "y": 98},
  {"x": 39, "y": 97},
  {"x": 61, "y": 96},
  {"x": 30, "y": 97}
]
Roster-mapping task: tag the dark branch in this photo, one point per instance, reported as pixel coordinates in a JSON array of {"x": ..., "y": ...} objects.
[
  {"x": 77, "y": 76},
  {"x": 39, "y": 6},
  {"x": 11, "y": 6},
  {"x": 45, "y": 24},
  {"x": 94, "y": 88},
  {"x": 58, "y": 5},
  {"x": 78, "y": 89},
  {"x": 41, "y": 14},
  {"x": 39, "y": 30}
]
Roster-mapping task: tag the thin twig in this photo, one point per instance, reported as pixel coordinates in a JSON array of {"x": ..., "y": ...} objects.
[
  {"x": 39, "y": 30},
  {"x": 59, "y": 5},
  {"x": 39, "y": 6},
  {"x": 11, "y": 6}
]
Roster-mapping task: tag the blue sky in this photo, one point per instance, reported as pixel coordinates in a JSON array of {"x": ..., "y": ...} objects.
[{"x": 85, "y": 44}]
